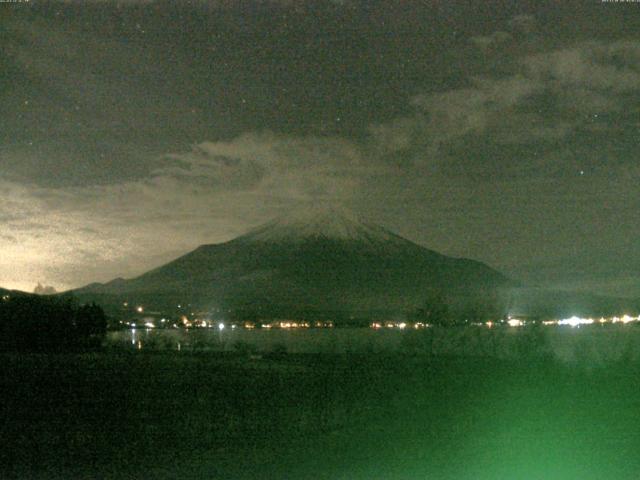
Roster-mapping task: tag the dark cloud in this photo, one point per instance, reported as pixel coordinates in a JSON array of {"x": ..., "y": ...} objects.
[
  {"x": 535, "y": 122},
  {"x": 134, "y": 131}
]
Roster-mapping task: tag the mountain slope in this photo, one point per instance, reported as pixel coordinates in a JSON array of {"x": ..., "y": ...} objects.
[{"x": 321, "y": 261}]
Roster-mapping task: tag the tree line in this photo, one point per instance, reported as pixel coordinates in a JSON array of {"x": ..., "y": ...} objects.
[{"x": 49, "y": 323}]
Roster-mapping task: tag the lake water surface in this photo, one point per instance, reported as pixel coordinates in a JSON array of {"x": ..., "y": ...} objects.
[{"x": 591, "y": 343}]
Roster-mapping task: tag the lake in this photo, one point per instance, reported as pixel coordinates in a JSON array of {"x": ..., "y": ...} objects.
[{"x": 595, "y": 343}]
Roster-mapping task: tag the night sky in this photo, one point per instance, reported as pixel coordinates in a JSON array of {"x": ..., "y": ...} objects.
[{"x": 133, "y": 131}]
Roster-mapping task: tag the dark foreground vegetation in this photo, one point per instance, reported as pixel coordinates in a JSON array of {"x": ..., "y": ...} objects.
[
  {"x": 196, "y": 416},
  {"x": 34, "y": 323}
]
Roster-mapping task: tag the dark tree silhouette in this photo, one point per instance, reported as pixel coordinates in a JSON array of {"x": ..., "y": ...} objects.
[
  {"x": 483, "y": 306},
  {"x": 90, "y": 320},
  {"x": 434, "y": 311},
  {"x": 52, "y": 323}
]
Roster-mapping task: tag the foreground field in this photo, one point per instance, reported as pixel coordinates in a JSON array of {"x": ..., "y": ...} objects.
[{"x": 168, "y": 415}]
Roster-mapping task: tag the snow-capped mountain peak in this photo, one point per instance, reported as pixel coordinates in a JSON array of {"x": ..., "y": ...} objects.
[{"x": 319, "y": 222}]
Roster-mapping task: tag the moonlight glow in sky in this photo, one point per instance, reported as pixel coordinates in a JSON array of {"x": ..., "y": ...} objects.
[{"x": 133, "y": 131}]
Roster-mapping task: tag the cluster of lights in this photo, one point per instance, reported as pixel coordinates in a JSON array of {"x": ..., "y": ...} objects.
[
  {"x": 573, "y": 321},
  {"x": 288, "y": 324},
  {"x": 292, "y": 325},
  {"x": 398, "y": 325},
  {"x": 326, "y": 324},
  {"x": 186, "y": 323},
  {"x": 576, "y": 321},
  {"x": 625, "y": 319}
]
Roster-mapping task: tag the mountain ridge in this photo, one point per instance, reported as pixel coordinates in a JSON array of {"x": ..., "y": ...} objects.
[
  {"x": 326, "y": 264},
  {"x": 323, "y": 260}
]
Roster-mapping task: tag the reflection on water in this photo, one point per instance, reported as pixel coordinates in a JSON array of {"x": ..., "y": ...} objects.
[
  {"x": 263, "y": 340},
  {"x": 573, "y": 345}
]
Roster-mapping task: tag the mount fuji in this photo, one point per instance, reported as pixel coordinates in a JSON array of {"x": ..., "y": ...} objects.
[{"x": 314, "y": 262}]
